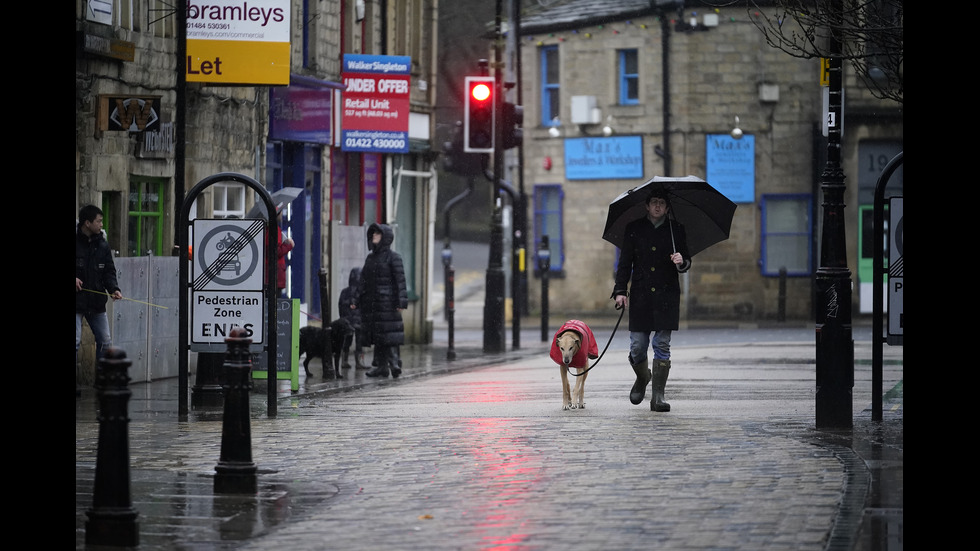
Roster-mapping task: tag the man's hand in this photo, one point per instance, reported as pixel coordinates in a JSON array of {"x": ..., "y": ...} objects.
[
  {"x": 78, "y": 285},
  {"x": 676, "y": 258},
  {"x": 621, "y": 301}
]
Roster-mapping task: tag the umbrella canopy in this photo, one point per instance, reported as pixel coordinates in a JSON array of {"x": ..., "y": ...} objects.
[
  {"x": 279, "y": 197},
  {"x": 704, "y": 212}
]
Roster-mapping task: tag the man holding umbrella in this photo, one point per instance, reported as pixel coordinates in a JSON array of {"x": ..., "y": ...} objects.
[{"x": 653, "y": 252}]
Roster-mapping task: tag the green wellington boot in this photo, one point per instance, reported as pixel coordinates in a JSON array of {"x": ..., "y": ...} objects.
[
  {"x": 642, "y": 378},
  {"x": 661, "y": 369}
]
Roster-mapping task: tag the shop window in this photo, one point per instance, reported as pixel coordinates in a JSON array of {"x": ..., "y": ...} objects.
[{"x": 787, "y": 234}]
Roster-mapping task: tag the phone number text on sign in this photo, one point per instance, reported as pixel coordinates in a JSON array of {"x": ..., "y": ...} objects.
[{"x": 376, "y": 141}]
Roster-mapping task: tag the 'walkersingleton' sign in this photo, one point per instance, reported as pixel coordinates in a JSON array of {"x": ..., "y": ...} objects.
[
  {"x": 619, "y": 157},
  {"x": 376, "y": 107}
]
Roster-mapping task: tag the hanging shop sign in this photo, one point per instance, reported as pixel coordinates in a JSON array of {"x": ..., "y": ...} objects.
[
  {"x": 301, "y": 114},
  {"x": 375, "y": 106},
  {"x": 129, "y": 113},
  {"x": 238, "y": 42}
]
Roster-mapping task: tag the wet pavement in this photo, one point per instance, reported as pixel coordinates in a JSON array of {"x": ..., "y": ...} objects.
[{"x": 476, "y": 453}]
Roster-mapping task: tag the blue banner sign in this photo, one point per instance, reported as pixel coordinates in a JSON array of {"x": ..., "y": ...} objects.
[
  {"x": 731, "y": 166},
  {"x": 619, "y": 157}
]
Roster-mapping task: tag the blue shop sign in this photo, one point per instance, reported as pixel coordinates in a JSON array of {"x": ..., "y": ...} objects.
[
  {"x": 619, "y": 157},
  {"x": 731, "y": 166}
]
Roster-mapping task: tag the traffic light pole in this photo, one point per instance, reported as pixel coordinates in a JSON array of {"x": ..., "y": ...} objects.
[{"x": 493, "y": 307}]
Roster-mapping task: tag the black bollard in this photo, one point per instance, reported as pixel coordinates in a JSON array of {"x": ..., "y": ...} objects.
[
  {"x": 451, "y": 310},
  {"x": 235, "y": 472},
  {"x": 207, "y": 391},
  {"x": 112, "y": 518},
  {"x": 544, "y": 266}
]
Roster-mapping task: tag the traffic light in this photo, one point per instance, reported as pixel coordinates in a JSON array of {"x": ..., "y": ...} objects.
[
  {"x": 513, "y": 122},
  {"x": 478, "y": 122},
  {"x": 458, "y": 162}
]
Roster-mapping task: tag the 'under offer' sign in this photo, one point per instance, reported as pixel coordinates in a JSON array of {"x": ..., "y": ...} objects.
[{"x": 228, "y": 277}]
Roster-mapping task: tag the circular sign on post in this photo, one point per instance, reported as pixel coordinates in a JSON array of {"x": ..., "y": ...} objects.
[
  {"x": 227, "y": 280},
  {"x": 228, "y": 254}
]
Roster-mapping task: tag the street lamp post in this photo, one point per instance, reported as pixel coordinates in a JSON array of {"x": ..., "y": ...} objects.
[{"x": 834, "y": 341}]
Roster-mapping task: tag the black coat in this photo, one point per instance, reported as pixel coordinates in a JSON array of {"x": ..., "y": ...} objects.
[
  {"x": 95, "y": 267},
  {"x": 347, "y": 298},
  {"x": 382, "y": 291},
  {"x": 644, "y": 264}
]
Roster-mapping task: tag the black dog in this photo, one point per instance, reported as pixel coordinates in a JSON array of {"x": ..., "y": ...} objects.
[
  {"x": 326, "y": 344},
  {"x": 341, "y": 337},
  {"x": 315, "y": 343}
]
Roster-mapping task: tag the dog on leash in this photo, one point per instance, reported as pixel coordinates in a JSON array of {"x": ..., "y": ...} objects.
[
  {"x": 326, "y": 344},
  {"x": 572, "y": 348},
  {"x": 314, "y": 342}
]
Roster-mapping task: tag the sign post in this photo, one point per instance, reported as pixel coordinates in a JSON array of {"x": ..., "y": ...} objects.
[{"x": 229, "y": 287}]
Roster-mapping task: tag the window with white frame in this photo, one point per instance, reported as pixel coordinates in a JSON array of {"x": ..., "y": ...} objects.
[
  {"x": 629, "y": 77},
  {"x": 229, "y": 200},
  {"x": 787, "y": 234}
]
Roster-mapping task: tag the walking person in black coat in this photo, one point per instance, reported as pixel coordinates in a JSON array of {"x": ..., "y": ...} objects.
[
  {"x": 381, "y": 297},
  {"x": 653, "y": 254}
]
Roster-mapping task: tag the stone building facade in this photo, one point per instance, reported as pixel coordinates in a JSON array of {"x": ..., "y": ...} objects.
[
  {"x": 127, "y": 54},
  {"x": 669, "y": 88}
]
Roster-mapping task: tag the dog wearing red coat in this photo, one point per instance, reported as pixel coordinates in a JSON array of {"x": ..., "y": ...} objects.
[{"x": 572, "y": 348}]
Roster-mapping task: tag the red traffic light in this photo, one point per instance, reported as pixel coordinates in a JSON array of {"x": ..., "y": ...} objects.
[
  {"x": 480, "y": 91},
  {"x": 478, "y": 115}
]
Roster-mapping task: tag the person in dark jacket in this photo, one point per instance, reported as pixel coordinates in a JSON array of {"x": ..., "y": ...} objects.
[
  {"x": 654, "y": 253},
  {"x": 353, "y": 315},
  {"x": 95, "y": 281},
  {"x": 381, "y": 296},
  {"x": 283, "y": 248}
]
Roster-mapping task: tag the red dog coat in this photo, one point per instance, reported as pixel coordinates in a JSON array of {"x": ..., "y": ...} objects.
[{"x": 588, "y": 350}]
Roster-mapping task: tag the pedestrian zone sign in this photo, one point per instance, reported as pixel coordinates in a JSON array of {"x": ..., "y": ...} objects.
[
  {"x": 896, "y": 272},
  {"x": 227, "y": 279}
]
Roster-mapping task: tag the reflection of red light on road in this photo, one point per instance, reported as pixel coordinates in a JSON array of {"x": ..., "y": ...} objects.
[
  {"x": 490, "y": 392},
  {"x": 505, "y": 480}
]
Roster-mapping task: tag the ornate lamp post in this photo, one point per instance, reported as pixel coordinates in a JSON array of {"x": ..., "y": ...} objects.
[{"x": 834, "y": 341}]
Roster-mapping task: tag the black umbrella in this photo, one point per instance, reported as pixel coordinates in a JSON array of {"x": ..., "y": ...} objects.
[
  {"x": 279, "y": 197},
  {"x": 704, "y": 212}
]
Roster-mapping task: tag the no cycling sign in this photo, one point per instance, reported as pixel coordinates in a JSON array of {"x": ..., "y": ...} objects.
[{"x": 227, "y": 279}]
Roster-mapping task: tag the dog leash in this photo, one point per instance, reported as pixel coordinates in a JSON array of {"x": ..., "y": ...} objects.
[{"x": 622, "y": 311}]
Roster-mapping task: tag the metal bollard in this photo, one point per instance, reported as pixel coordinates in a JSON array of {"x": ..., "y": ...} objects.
[
  {"x": 544, "y": 266},
  {"x": 235, "y": 472},
  {"x": 451, "y": 310},
  {"x": 781, "y": 308},
  {"x": 112, "y": 518}
]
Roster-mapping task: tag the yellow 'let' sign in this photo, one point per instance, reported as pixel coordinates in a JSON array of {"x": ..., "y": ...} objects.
[{"x": 824, "y": 71}]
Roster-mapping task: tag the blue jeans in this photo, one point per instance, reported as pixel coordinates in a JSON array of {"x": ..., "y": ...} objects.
[
  {"x": 98, "y": 322},
  {"x": 640, "y": 341}
]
